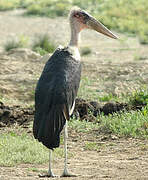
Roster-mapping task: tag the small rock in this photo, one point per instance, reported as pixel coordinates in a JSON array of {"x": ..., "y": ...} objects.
[{"x": 113, "y": 137}]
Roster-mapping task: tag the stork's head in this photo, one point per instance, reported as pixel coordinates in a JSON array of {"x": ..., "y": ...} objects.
[{"x": 81, "y": 19}]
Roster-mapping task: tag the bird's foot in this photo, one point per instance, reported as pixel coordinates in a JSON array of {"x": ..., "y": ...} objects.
[
  {"x": 67, "y": 174},
  {"x": 49, "y": 174}
]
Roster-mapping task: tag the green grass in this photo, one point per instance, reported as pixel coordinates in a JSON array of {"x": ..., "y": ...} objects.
[
  {"x": 139, "y": 97},
  {"x": 19, "y": 42},
  {"x": 114, "y": 13},
  {"x": 85, "y": 51},
  {"x": 89, "y": 91},
  {"x": 34, "y": 169},
  {"x": 43, "y": 44},
  {"x": 106, "y": 98},
  {"x": 8, "y": 5},
  {"x": 92, "y": 146},
  {"x": 17, "y": 149},
  {"x": 125, "y": 124},
  {"x": 13, "y": 4},
  {"x": 49, "y": 8},
  {"x": 140, "y": 57},
  {"x": 128, "y": 16},
  {"x": 82, "y": 126},
  {"x": 128, "y": 124},
  {"x": 86, "y": 90}
]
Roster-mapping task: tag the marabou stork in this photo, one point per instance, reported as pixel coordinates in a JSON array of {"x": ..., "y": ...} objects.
[{"x": 58, "y": 85}]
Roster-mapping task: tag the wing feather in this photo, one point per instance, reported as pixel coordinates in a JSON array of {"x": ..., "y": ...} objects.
[{"x": 54, "y": 97}]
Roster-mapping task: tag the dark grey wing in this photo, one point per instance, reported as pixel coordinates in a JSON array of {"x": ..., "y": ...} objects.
[{"x": 54, "y": 97}]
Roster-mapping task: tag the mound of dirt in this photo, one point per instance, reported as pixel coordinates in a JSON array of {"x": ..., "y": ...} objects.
[
  {"x": 15, "y": 114},
  {"x": 89, "y": 110},
  {"x": 84, "y": 110}
]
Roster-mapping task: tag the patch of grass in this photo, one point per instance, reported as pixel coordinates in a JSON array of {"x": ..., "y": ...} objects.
[
  {"x": 11, "y": 44},
  {"x": 139, "y": 97},
  {"x": 40, "y": 51},
  {"x": 49, "y": 8},
  {"x": 17, "y": 149},
  {"x": 13, "y": 4},
  {"x": 34, "y": 169},
  {"x": 43, "y": 45},
  {"x": 85, "y": 51},
  {"x": 133, "y": 124},
  {"x": 8, "y": 5},
  {"x": 20, "y": 42},
  {"x": 137, "y": 57},
  {"x": 86, "y": 89},
  {"x": 106, "y": 98},
  {"x": 89, "y": 91},
  {"x": 129, "y": 124},
  {"x": 82, "y": 126},
  {"x": 143, "y": 36},
  {"x": 125, "y": 124},
  {"x": 140, "y": 57},
  {"x": 25, "y": 3},
  {"x": 91, "y": 146}
]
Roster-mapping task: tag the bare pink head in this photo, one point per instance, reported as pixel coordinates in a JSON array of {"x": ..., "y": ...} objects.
[{"x": 80, "y": 20}]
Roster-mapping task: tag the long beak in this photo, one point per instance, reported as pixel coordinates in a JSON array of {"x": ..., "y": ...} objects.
[{"x": 92, "y": 23}]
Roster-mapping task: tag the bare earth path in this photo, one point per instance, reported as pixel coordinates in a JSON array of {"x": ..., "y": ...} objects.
[{"x": 118, "y": 65}]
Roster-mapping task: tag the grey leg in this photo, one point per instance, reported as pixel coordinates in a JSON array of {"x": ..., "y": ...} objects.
[
  {"x": 65, "y": 172},
  {"x": 50, "y": 173}
]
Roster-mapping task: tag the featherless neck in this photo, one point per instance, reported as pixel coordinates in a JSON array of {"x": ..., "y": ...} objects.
[{"x": 74, "y": 35}]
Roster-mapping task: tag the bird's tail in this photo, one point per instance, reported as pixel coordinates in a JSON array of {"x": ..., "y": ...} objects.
[{"x": 47, "y": 126}]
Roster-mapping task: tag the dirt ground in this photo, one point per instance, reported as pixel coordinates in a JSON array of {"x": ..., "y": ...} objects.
[
  {"x": 119, "y": 159},
  {"x": 120, "y": 66}
]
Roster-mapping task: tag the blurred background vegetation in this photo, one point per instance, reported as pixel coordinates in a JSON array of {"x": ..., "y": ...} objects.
[{"x": 128, "y": 16}]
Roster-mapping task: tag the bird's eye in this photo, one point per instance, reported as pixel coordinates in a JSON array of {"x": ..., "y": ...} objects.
[{"x": 77, "y": 15}]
